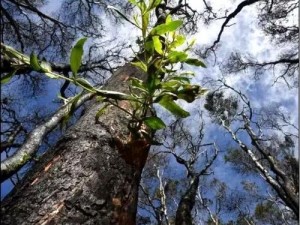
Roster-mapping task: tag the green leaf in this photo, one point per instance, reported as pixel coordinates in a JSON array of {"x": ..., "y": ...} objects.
[
  {"x": 188, "y": 98},
  {"x": 168, "y": 103},
  {"x": 168, "y": 19},
  {"x": 171, "y": 85},
  {"x": 190, "y": 92},
  {"x": 134, "y": 2},
  {"x": 164, "y": 28},
  {"x": 141, "y": 65},
  {"x": 153, "y": 4},
  {"x": 152, "y": 83},
  {"x": 187, "y": 73},
  {"x": 42, "y": 67},
  {"x": 85, "y": 84},
  {"x": 155, "y": 67},
  {"x": 149, "y": 46},
  {"x": 193, "y": 41},
  {"x": 142, "y": 6},
  {"x": 137, "y": 83},
  {"x": 72, "y": 109},
  {"x": 6, "y": 78},
  {"x": 157, "y": 44},
  {"x": 179, "y": 40},
  {"x": 145, "y": 22},
  {"x": 164, "y": 94},
  {"x": 122, "y": 15},
  {"x": 76, "y": 55},
  {"x": 100, "y": 112},
  {"x": 74, "y": 103},
  {"x": 136, "y": 20},
  {"x": 195, "y": 62},
  {"x": 183, "y": 80},
  {"x": 175, "y": 56},
  {"x": 154, "y": 123},
  {"x": 34, "y": 63},
  {"x": 172, "y": 82}
]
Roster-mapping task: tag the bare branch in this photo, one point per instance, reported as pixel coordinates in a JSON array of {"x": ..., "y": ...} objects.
[
  {"x": 228, "y": 18},
  {"x": 283, "y": 190}
]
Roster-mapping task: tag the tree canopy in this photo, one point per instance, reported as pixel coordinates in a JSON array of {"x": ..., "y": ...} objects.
[{"x": 214, "y": 98}]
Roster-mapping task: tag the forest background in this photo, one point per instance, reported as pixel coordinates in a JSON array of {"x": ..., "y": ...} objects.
[{"x": 234, "y": 158}]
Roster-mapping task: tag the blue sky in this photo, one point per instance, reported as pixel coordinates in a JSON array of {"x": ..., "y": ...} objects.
[{"x": 244, "y": 36}]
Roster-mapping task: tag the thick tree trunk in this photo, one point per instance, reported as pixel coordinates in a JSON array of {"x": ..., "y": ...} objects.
[
  {"x": 88, "y": 178},
  {"x": 187, "y": 202}
]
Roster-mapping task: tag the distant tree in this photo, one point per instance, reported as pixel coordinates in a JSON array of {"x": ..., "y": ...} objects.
[
  {"x": 260, "y": 150},
  {"x": 169, "y": 200},
  {"x": 265, "y": 134},
  {"x": 276, "y": 19},
  {"x": 80, "y": 159},
  {"x": 92, "y": 174}
]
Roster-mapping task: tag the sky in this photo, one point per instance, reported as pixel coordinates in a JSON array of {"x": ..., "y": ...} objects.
[{"x": 243, "y": 34}]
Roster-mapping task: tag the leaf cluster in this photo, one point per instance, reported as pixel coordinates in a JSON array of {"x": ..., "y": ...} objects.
[{"x": 158, "y": 58}]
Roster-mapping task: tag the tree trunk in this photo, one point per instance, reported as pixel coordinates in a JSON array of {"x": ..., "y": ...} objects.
[
  {"x": 187, "y": 202},
  {"x": 88, "y": 177}
]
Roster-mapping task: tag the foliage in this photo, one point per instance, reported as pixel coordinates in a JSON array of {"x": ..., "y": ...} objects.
[
  {"x": 158, "y": 58},
  {"x": 162, "y": 51},
  {"x": 221, "y": 108}
]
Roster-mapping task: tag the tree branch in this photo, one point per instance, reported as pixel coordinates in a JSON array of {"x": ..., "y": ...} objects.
[
  {"x": 11, "y": 165},
  {"x": 14, "y": 25},
  {"x": 228, "y": 18},
  {"x": 10, "y": 140},
  {"x": 290, "y": 202}
]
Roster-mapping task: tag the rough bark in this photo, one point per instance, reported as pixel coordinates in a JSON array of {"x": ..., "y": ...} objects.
[
  {"x": 186, "y": 204},
  {"x": 28, "y": 150},
  {"x": 89, "y": 177}
]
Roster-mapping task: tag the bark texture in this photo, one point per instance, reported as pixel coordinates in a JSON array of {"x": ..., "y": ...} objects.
[
  {"x": 186, "y": 204},
  {"x": 89, "y": 177}
]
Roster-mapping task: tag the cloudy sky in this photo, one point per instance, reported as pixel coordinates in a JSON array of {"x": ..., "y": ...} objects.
[{"x": 245, "y": 36}]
